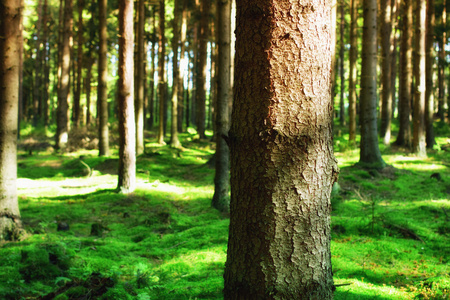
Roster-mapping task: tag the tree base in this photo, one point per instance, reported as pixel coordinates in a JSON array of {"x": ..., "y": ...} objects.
[{"x": 11, "y": 230}]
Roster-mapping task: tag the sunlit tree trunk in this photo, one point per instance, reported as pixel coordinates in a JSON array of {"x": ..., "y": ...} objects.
[
  {"x": 10, "y": 50},
  {"x": 127, "y": 126},
  {"x": 151, "y": 101},
  {"x": 174, "y": 141},
  {"x": 386, "y": 92},
  {"x": 353, "y": 71},
  {"x": 429, "y": 90},
  {"x": 419, "y": 141},
  {"x": 183, "y": 63},
  {"x": 102, "y": 89},
  {"x": 221, "y": 198},
  {"x": 161, "y": 68},
  {"x": 140, "y": 72},
  {"x": 200, "y": 102},
  {"x": 282, "y": 162},
  {"x": 62, "y": 124},
  {"x": 370, "y": 155},
  {"x": 405, "y": 78}
]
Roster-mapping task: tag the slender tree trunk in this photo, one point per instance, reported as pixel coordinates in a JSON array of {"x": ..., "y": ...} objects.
[
  {"x": 140, "y": 78},
  {"x": 353, "y": 71},
  {"x": 151, "y": 105},
  {"x": 201, "y": 70},
  {"x": 127, "y": 127},
  {"x": 441, "y": 66},
  {"x": 405, "y": 80},
  {"x": 370, "y": 155},
  {"x": 282, "y": 162},
  {"x": 183, "y": 64},
  {"x": 341, "y": 65},
  {"x": 102, "y": 89},
  {"x": 10, "y": 50},
  {"x": 46, "y": 65},
  {"x": 386, "y": 92},
  {"x": 161, "y": 76},
  {"x": 221, "y": 198},
  {"x": 419, "y": 141},
  {"x": 77, "y": 94},
  {"x": 62, "y": 129},
  {"x": 174, "y": 141},
  {"x": 429, "y": 62},
  {"x": 37, "y": 91}
]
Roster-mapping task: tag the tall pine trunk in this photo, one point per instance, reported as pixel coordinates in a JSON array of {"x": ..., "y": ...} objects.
[
  {"x": 10, "y": 50},
  {"x": 102, "y": 89},
  {"x": 419, "y": 141},
  {"x": 140, "y": 78},
  {"x": 405, "y": 79},
  {"x": 370, "y": 155},
  {"x": 174, "y": 141},
  {"x": 62, "y": 123},
  {"x": 429, "y": 90},
  {"x": 161, "y": 68},
  {"x": 353, "y": 72},
  {"x": 282, "y": 162},
  {"x": 127, "y": 133}
]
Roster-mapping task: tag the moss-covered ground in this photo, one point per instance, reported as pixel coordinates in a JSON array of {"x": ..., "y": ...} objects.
[{"x": 390, "y": 229}]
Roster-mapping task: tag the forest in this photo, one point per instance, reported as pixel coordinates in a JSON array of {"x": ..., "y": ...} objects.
[{"x": 248, "y": 149}]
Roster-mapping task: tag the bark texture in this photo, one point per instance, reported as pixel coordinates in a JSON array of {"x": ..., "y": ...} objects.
[
  {"x": 429, "y": 61},
  {"x": 127, "y": 139},
  {"x": 282, "y": 162},
  {"x": 370, "y": 155},
  {"x": 161, "y": 76},
  {"x": 140, "y": 78},
  {"x": 174, "y": 141},
  {"x": 10, "y": 47}
]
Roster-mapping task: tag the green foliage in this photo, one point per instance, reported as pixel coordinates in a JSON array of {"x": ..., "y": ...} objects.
[{"x": 390, "y": 229}]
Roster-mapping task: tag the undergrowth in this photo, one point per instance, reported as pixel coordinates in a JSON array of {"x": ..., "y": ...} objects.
[{"x": 390, "y": 228}]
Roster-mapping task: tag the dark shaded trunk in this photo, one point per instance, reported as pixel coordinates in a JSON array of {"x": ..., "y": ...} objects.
[
  {"x": 140, "y": 77},
  {"x": 161, "y": 68},
  {"x": 102, "y": 89},
  {"x": 353, "y": 72},
  {"x": 429, "y": 90}
]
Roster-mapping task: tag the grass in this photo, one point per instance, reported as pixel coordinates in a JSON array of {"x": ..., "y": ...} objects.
[{"x": 390, "y": 229}]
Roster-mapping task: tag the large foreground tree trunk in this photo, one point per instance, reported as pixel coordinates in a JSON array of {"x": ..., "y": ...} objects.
[
  {"x": 10, "y": 49},
  {"x": 127, "y": 129},
  {"x": 282, "y": 162}
]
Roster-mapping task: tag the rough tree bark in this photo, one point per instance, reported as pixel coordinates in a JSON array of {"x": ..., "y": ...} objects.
[
  {"x": 282, "y": 162},
  {"x": 10, "y": 49},
  {"x": 127, "y": 133}
]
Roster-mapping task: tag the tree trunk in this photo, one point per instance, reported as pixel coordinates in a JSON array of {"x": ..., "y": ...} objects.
[
  {"x": 386, "y": 92},
  {"x": 429, "y": 62},
  {"x": 405, "y": 79},
  {"x": 10, "y": 50},
  {"x": 140, "y": 72},
  {"x": 442, "y": 65},
  {"x": 62, "y": 124},
  {"x": 183, "y": 64},
  {"x": 221, "y": 198},
  {"x": 419, "y": 141},
  {"x": 151, "y": 105},
  {"x": 341, "y": 65},
  {"x": 353, "y": 72},
  {"x": 370, "y": 155},
  {"x": 77, "y": 94},
  {"x": 127, "y": 139},
  {"x": 102, "y": 89},
  {"x": 161, "y": 68},
  {"x": 201, "y": 70},
  {"x": 174, "y": 141},
  {"x": 282, "y": 162},
  {"x": 38, "y": 64}
]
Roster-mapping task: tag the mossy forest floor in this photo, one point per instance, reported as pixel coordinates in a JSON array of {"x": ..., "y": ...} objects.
[{"x": 390, "y": 229}]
